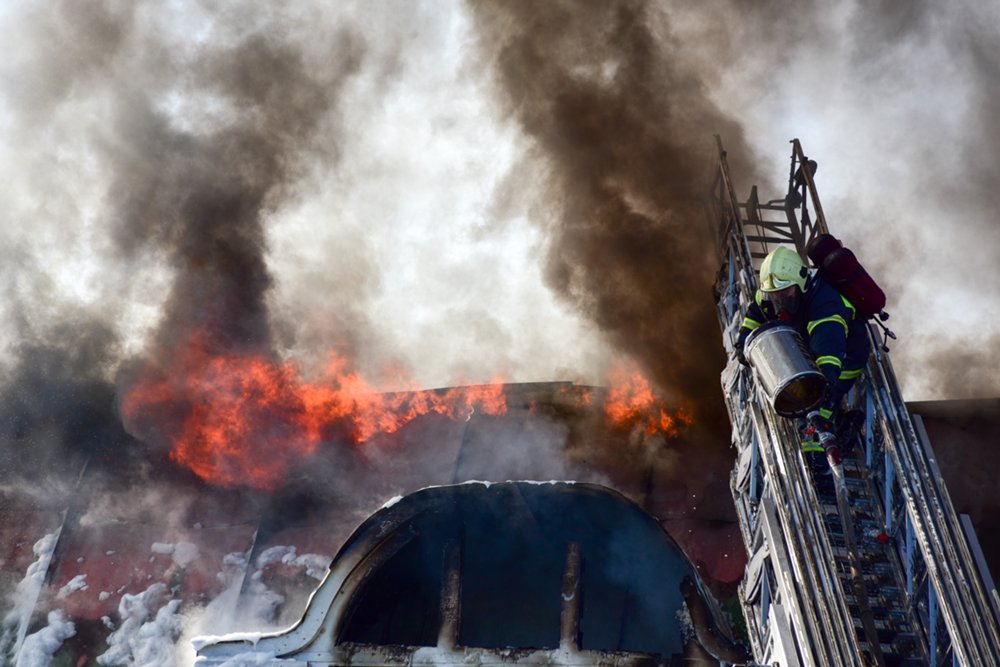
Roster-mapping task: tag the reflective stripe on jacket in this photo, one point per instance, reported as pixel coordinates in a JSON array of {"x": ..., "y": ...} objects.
[{"x": 825, "y": 319}]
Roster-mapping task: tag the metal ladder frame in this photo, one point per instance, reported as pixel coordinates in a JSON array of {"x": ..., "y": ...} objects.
[{"x": 794, "y": 602}]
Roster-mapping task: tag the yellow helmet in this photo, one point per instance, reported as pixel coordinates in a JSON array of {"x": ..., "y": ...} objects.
[{"x": 782, "y": 268}]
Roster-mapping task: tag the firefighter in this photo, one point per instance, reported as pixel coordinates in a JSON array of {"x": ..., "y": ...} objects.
[{"x": 827, "y": 320}]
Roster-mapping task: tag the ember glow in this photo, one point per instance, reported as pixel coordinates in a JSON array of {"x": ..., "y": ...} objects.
[
  {"x": 632, "y": 403},
  {"x": 242, "y": 419}
]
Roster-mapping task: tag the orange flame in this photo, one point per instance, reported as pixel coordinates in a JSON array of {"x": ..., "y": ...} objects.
[
  {"x": 632, "y": 402},
  {"x": 243, "y": 418}
]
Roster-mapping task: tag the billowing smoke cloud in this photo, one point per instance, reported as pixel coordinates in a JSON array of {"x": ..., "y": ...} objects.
[
  {"x": 374, "y": 179},
  {"x": 897, "y": 104},
  {"x": 200, "y": 196},
  {"x": 624, "y": 124},
  {"x": 180, "y": 183},
  {"x": 263, "y": 178},
  {"x": 182, "y": 144}
]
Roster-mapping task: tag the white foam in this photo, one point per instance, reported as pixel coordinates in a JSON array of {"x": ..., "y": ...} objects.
[
  {"x": 77, "y": 583},
  {"x": 38, "y": 648},
  {"x": 162, "y": 548},
  {"x": 144, "y": 638},
  {"x": 316, "y": 565},
  {"x": 15, "y": 623}
]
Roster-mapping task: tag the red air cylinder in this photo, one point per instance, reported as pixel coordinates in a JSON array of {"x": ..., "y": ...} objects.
[{"x": 841, "y": 268}]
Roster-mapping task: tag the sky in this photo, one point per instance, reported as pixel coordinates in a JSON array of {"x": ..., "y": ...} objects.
[{"x": 415, "y": 216}]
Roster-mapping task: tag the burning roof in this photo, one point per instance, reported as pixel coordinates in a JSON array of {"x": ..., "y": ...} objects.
[{"x": 222, "y": 557}]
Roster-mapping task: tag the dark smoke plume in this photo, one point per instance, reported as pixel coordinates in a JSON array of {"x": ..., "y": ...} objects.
[
  {"x": 897, "y": 103},
  {"x": 59, "y": 415},
  {"x": 201, "y": 198},
  {"x": 204, "y": 205},
  {"x": 198, "y": 141},
  {"x": 626, "y": 127}
]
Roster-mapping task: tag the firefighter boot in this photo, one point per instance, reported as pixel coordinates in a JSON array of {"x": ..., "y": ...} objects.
[{"x": 813, "y": 452}]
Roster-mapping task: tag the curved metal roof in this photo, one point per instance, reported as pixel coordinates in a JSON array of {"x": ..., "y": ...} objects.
[{"x": 514, "y": 566}]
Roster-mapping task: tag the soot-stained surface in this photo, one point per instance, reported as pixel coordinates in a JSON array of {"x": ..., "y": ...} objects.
[{"x": 513, "y": 538}]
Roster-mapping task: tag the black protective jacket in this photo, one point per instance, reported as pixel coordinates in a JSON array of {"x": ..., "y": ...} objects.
[{"x": 828, "y": 322}]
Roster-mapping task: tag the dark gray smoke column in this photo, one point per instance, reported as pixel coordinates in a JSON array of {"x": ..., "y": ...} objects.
[
  {"x": 626, "y": 125},
  {"x": 194, "y": 124},
  {"x": 204, "y": 202},
  {"x": 201, "y": 197}
]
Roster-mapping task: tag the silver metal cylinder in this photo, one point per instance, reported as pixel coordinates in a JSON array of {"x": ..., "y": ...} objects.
[{"x": 785, "y": 369}]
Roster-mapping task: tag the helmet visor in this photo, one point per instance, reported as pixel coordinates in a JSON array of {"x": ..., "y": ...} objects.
[{"x": 784, "y": 302}]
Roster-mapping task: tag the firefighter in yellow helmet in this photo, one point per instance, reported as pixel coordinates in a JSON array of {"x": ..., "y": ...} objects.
[{"x": 827, "y": 320}]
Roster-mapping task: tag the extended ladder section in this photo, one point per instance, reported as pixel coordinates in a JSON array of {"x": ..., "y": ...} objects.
[{"x": 873, "y": 568}]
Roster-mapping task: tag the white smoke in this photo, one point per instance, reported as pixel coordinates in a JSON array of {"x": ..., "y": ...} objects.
[
  {"x": 315, "y": 565},
  {"x": 247, "y": 604},
  {"x": 183, "y": 553},
  {"x": 897, "y": 103}
]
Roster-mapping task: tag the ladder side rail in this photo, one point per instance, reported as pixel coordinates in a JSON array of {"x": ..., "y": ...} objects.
[
  {"x": 814, "y": 539},
  {"x": 819, "y": 226},
  {"x": 974, "y": 639},
  {"x": 816, "y": 627},
  {"x": 735, "y": 252},
  {"x": 752, "y": 513},
  {"x": 754, "y": 591},
  {"x": 746, "y": 494},
  {"x": 977, "y": 585},
  {"x": 715, "y": 212},
  {"x": 832, "y": 608},
  {"x": 780, "y": 625},
  {"x": 900, "y": 552},
  {"x": 925, "y": 558},
  {"x": 733, "y": 234},
  {"x": 972, "y": 588},
  {"x": 968, "y": 590},
  {"x": 977, "y": 553},
  {"x": 755, "y": 602},
  {"x": 895, "y": 517}
]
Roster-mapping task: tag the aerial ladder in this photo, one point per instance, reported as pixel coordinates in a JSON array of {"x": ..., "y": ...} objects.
[{"x": 868, "y": 565}]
